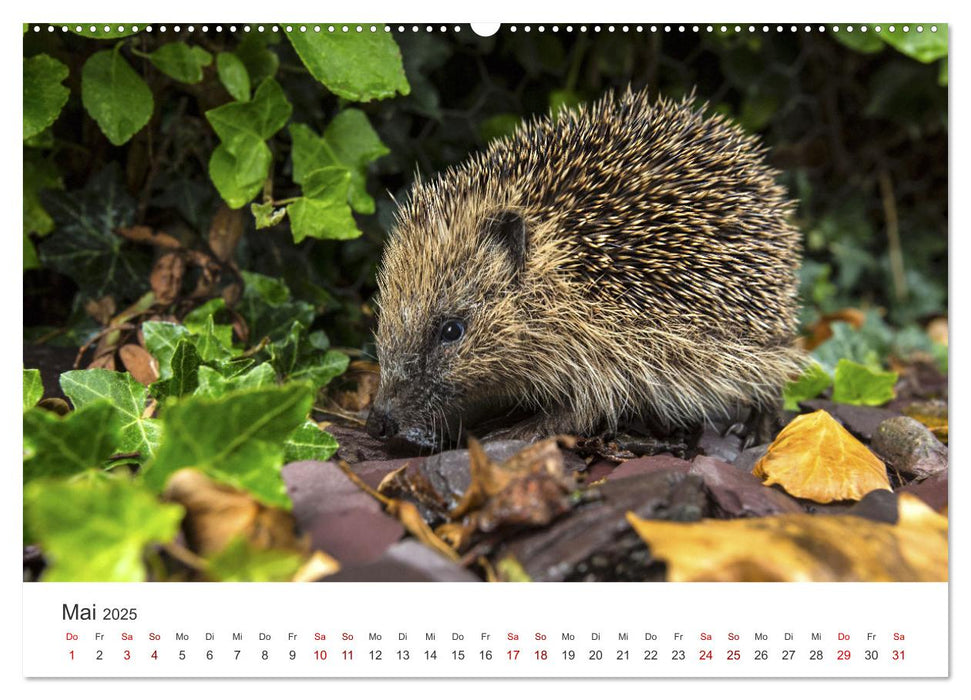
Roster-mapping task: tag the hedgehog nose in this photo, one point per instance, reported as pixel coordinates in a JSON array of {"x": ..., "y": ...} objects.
[{"x": 380, "y": 424}]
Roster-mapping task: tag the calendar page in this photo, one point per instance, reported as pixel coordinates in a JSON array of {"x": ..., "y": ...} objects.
[{"x": 515, "y": 350}]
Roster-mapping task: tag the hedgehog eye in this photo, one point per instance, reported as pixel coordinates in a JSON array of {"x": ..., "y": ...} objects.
[{"x": 452, "y": 331}]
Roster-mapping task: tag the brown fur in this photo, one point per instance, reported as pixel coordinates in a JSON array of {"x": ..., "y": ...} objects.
[{"x": 659, "y": 278}]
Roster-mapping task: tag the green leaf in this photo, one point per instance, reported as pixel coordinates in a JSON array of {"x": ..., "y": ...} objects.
[
  {"x": 185, "y": 364},
  {"x": 942, "y": 74},
  {"x": 33, "y": 388},
  {"x": 309, "y": 442},
  {"x": 97, "y": 530},
  {"x": 861, "y": 42},
  {"x": 266, "y": 215},
  {"x": 213, "y": 383},
  {"x": 301, "y": 356},
  {"x": 31, "y": 261},
  {"x": 242, "y": 443},
  {"x": 39, "y": 174},
  {"x": 84, "y": 245},
  {"x": 161, "y": 340},
  {"x": 857, "y": 384},
  {"x": 356, "y": 66},
  {"x": 115, "y": 95},
  {"x": 499, "y": 126},
  {"x": 813, "y": 381},
  {"x": 233, "y": 76},
  {"x": 128, "y": 399},
  {"x": 210, "y": 343},
  {"x": 261, "y": 62},
  {"x": 81, "y": 440},
  {"x": 327, "y": 215},
  {"x": 241, "y": 163},
  {"x": 198, "y": 321},
  {"x": 181, "y": 61},
  {"x": 44, "y": 95},
  {"x": 563, "y": 99},
  {"x": 349, "y": 142},
  {"x": 240, "y": 561},
  {"x": 925, "y": 46},
  {"x": 99, "y": 30},
  {"x": 268, "y": 309}
]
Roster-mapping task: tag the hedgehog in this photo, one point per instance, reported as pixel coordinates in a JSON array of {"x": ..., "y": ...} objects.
[{"x": 627, "y": 262}]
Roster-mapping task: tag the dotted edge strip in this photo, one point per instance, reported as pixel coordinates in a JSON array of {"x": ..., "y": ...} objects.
[{"x": 95, "y": 30}]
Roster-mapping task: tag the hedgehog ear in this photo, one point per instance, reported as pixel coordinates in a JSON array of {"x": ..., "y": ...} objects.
[{"x": 507, "y": 229}]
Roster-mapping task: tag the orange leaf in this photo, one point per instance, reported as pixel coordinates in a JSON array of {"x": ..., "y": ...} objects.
[
  {"x": 815, "y": 457},
  {"x": 803, "y": 547}
]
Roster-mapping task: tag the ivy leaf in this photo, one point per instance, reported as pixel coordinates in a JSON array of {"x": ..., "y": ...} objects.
[
  {"x": 926, "y": 46},
  {"x": 213, "y": 383},
  {"x": 185, "y": 364},
  {"x": 241, "y": 163},
  {"x": 39, "y": 174},
  {"x": 115, "y": 95},
  {"x": 81, "y": 440},
  {"x": 181, "y": 61},
  {"x": 858, "y": 384},
  {"x": 811, "y": 383},
  {"x": 266, "y": 215},
  {"x": 44, "y": 95},
  {"x": 127, "y": 397},
  {"x": 197, "y": 321},
  {"x": 84, "y": 246},
  {"x": 97, "y": 530},
  {"x": 33, "y": 388},
  {"x": 240, "y": 561},
  {"x": 861, "y": 42},
  {"x": 325, "y": 213},
  {"x": 161, "y": 340},
  {"x": 209, "y": 343},
  {"x": 268, "y": 308},
  {"x": 233, "y": 76},
  {"x": 305, "y": 357},
  {"x": 100, "y": 32},
  {"x": 261, "y": 63},
  {"x": 359, "y": 67},
  {"x": 309, "y": 442},
  {"x": 242, "y": 444}
]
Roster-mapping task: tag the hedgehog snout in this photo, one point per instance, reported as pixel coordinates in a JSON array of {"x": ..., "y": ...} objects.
[{"x": 380, "y": 423}]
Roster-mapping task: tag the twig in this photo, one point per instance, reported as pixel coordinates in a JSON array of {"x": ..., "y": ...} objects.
[{"x": 893, "y": 236}]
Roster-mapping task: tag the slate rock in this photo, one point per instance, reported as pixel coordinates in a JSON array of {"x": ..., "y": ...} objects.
[
  {"x": 932, "y": 490},
  {"x": 861, "y": 421},
  {"x": 909, "y": 446},
  {"x": 715, "y": 443},
  {"x": 649, "y": 465},
  {"x": 737, "y": 494},
  {"x": 747, "y": 459},
  {"x": 342, "y": 520},
  {"x": 408, "y": 560},
  {"x": 594, "y": 542},
  {"x": 879, "y": 505}
]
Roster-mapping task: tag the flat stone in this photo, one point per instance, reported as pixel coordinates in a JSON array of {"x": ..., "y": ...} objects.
[
  {"x": 909, "y": 446},
  {"x": 356, "y": 535},
  {"x": 932, "y": 490},
  {"x": 649, "y": 465},
  {"x": 408, "y": 560},
  {"x": 594, "y": 542},
  {"x": 737, "y": 494},
  {"x": 715, "y": 444},
  {"x": 861, "y": 421}
]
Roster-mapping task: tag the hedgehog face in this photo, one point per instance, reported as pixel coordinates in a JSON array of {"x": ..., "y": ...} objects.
[{"x": 446, "y": 325}]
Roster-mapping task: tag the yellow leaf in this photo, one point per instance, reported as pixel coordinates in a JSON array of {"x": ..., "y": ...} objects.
[
  {"x": 803, "y": 547},
  {"x": 316, "y": 567},
  {"x": 815, "y": 457}
]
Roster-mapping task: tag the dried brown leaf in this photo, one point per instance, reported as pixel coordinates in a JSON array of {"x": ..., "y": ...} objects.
[
  {"x": 166, "y": 277},
  {"x": 803, "y": 547},
  {"x": 225, "y": 231},
  {"x": 139, "y": 363},
  {"x": 101, "y": 310},
  {"x": 216, "y": 513},
  {"x": 146, "y": 234},
  {"x": 317, "y": 566},
  {"x": 409, "y": 516},
  {"x": 815, "y": 457}
]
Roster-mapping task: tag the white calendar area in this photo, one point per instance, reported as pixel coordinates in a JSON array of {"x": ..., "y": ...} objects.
[{"x": 494, "y": 630}]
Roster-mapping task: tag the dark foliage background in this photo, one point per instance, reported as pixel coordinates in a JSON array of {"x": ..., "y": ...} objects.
[{"x": 860, "y": 135}]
